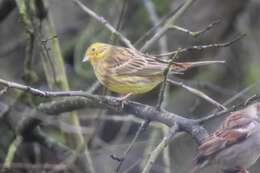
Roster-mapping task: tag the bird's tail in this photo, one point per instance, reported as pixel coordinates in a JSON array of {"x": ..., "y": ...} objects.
[{"x": 183, "y": 66}]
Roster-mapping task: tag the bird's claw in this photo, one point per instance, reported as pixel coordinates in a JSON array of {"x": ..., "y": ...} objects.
[{"x": 123, "y": 100}]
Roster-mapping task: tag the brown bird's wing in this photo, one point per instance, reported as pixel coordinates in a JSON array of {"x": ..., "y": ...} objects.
[
  {"x": 218, "y": 141},
  {"x": 221, "y": 139},
  {"x": 124, "y": 61},
  {"x": 236, "y": 120}
]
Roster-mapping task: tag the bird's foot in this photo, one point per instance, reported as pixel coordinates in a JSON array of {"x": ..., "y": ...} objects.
[{"x": 123, "y": 99}]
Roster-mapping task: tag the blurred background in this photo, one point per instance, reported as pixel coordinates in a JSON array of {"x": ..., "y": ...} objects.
[{"x": 42, "y": 45}]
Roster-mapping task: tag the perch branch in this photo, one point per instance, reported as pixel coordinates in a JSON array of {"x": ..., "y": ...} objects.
[{"x": 142, "y": 111}]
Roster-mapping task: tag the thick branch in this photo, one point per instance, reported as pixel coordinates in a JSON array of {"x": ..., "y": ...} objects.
[{"x": 142, "y": 111}]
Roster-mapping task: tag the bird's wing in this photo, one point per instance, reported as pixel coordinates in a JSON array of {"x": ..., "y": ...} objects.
[
  {"x": 220, "y": 140},
  {"x": 236, "y": 120},
  {"x": 124, "y": 61}
]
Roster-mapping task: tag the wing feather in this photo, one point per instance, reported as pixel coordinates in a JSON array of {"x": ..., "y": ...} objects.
[
  {"x": 130, "y": 62},
  {"x": 218, "y": 141}
]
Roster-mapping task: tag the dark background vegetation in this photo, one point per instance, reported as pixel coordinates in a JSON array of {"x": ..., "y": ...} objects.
[{"x": 103, "y": 133}]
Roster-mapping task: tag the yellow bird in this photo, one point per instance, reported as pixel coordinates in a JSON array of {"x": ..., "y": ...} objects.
[{"x": 127, "y": 71}]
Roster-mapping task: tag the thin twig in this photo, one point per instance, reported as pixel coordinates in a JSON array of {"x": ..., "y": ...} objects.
[
  {"x": 164, "y": 28},
  {"x": 103, "y": 21},
  {"x": 129, "y": 169},
  {"x": 156, "y": 27},
  {"x": 202, "y": 47},
  {"x": 166, "y": 154},
  {"x": 195, "y": 33},
  {"x": 120, "y": 21},
  {"x": 121, "y": 159},
  {"x": 164, "y": 83},
  {"x": 233, "y": 108},
  {"x": 11, "y": 151},
  {"x": 150, "y": 8},
  {"x": 206, "y": 85},
  {"x": 154, "y": 155},
  {"x": 198, "y": 93}
]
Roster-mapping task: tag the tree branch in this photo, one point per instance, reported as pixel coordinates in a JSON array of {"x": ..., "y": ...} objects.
[
  {"x": 165, "y": 27},
  {"x": 140, "y": 110}
]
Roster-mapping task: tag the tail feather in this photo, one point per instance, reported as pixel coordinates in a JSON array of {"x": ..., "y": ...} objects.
[{"x": 183, "y": 66}]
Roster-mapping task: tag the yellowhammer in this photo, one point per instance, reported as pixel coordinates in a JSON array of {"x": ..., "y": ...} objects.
[{"x": 127, "y": 71}]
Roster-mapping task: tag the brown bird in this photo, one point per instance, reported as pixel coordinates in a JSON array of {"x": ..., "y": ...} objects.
[{"x": 235, "y": 146}]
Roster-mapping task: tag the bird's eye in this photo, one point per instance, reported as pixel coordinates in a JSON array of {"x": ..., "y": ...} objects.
[{"x": 93, "y": 49}]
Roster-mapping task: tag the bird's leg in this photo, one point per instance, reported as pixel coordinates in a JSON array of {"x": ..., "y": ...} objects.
[{"x": 123, "y": 99}]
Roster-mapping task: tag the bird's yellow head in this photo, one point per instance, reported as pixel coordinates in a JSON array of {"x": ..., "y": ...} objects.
[{"x": 96, "y": 52}]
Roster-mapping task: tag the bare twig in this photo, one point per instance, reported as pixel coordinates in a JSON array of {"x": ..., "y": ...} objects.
[
  {"x": 120, "y": 21},
  {"x": 202, "y": 47},
  {"x": 195, "y": 33},
  {"x": 103, "y": 21},
  {"x": 154, "y": 155},
  {"x": 129, "y": 169},
  {"x": 156, "y": 27},
  {"x": 248, "y": 101},
  {"x": 166, "y": 153},
  {"x": 150, "y": 8},
  {"x": 11, "y": 152},
  {"x": 121, "y": 159},
  {"x": 206, "y": 85},
  {"x": 164, "y": 28},
  {"x": 198, "y": 93},
  {"x": 164, "y": 83}
]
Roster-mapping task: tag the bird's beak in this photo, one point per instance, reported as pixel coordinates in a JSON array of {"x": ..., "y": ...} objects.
[{"x": 85, "y": 59}]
